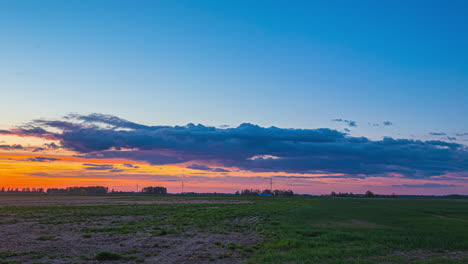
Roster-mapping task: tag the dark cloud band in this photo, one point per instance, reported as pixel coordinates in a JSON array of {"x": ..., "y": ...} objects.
[{"x": 250, "y": 147}]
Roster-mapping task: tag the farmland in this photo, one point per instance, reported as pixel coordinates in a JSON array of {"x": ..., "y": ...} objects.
[{"x": 231, "y": 229}]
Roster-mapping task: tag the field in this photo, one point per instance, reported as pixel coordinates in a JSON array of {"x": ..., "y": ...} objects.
[{"x": 180, "y": 229}]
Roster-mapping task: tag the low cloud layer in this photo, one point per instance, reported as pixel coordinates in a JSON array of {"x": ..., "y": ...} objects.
[
  {"x": 98, "y": 167},
  {"x": 42, "y": 159},
  {"x": 206, "y": 168},
  {"x": 425, "y": 185},
  {"x": 320, "y": 150},
  {"x": 11, "y": 147}
]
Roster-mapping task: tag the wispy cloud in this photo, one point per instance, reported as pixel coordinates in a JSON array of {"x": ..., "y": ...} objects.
[
  {"x": 322, "y": 177},
  {"x": 42, "y": 159},
  {"x": 206, "y": 168},
  {"x": 128, "y": 165},
  {"x": 387, "y": 123},
  {"x": 350, "y": 123},
  {"x": 91, "y": 166},
  {"x": 426, "y": 185},
  {"x": 437, "y": 133}
]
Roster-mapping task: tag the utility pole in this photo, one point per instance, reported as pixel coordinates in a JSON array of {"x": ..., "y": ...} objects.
[
  {"x": 182, "y": 185},
  {"x": 138, "y": 188},
  {"x": 271, "y": 184}
]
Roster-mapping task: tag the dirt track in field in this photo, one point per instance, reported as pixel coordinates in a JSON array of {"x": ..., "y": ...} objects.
[{"x": 102, "y": 200}]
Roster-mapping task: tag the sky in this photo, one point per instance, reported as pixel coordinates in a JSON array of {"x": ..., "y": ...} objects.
[{"x": 225, "y": 95}]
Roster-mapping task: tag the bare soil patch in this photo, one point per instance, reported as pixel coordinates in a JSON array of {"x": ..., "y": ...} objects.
[{"x": 36, "y": 240}]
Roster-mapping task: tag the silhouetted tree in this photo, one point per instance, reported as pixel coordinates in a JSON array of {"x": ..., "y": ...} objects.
[
  {"x": 154, "y": 190},
  {"x": 253, "y": 192},
  {"x": 283, "y": 193}
]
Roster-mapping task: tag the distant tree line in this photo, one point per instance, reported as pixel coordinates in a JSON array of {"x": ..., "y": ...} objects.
[
  {"x": 456, "y": 196},
  {"x": 154, "y": 190},
  {"x": 91, "y": 190},
  {"x": 21, "y": 190},
  {"x": 256, "y": 192},
  {"x": 79, "y": 190},
  {"x": 367, "y": 194}
]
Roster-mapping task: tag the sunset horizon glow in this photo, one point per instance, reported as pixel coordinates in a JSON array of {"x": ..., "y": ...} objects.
[{"x": 126, "y": 156}]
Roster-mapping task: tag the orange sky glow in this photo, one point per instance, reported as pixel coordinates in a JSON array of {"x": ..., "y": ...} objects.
[{"x": 58, "y": 168}]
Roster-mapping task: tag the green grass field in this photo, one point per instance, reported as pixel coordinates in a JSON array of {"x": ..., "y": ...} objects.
[{"x": 286, "y": 230}]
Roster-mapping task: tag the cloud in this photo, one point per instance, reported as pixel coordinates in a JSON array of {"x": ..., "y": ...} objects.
[
  {"x": 42, "y": 159},
  {"x": 322, "y": 177},
  {"x": 206, "y": 168},
  {"x": 350, "y": 123},
  {"x": 461, "y": 177},
  {"x": 426, "y": 185},
  {"x": 153, "y": 157},
  {"x": 387, "y": 123},
  {"x": 263, "y": 157},
  {"x": 38, "y": 149},
  {"x": 99, "y": 167},
  {"x": 39, "y": 174},
  {"x": 5, "y": 132},
  {"x": 437, "y": 134},
  {"x": 52, "y": 145},
  {"x": 109, "y": 120},
  {"x": 320, "y": 150},
  {"x": 11, "y": 147},
  {"x": 128, "y": 165},
  {"x": 32, "y": 131},
  {"x": 461, "y": 134}
]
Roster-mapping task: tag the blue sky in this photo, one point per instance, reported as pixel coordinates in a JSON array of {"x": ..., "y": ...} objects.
[{"x": 283, "y": 63}]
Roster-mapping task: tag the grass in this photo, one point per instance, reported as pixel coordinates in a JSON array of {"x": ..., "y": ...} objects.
[
  {"x": 106, "y": 255},
  {"x": 364, "y": 231},
  {"x": 164, "y": 232},
  {"x": 295, "y": 230}
]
